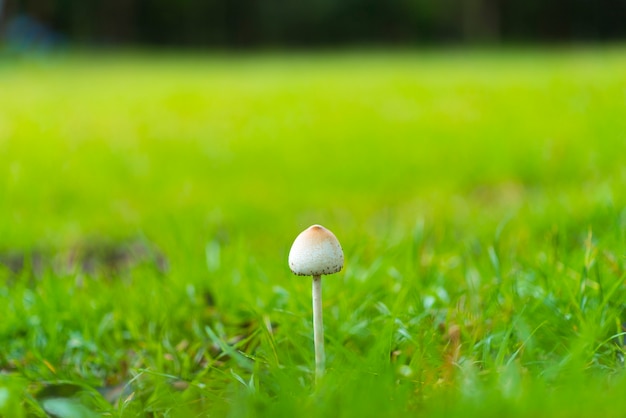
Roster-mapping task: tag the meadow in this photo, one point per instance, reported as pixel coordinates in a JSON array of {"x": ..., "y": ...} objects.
[{"x": 148, "y": 202}]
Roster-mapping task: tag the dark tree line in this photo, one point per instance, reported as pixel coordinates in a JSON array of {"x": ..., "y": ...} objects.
[{"x": 248, "y": 23}]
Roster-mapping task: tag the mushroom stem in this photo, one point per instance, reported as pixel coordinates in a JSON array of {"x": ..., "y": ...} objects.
[{"x": 318, "y": 327}]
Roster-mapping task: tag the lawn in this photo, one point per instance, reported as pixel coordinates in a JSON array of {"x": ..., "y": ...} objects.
[{"x": 148, "y": 202}]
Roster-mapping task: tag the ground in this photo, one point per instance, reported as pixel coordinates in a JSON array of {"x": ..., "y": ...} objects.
[{"x": 148, "y": 202}]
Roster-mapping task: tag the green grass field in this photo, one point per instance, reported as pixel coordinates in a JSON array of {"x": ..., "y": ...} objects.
[{"x": 148, "y": 203}]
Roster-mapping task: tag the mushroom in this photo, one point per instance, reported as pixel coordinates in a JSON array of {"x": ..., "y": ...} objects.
[{"x": 316, "y": 251}]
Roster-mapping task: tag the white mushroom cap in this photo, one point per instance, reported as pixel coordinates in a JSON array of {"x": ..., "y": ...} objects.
[{"x": 315, "y": 251}]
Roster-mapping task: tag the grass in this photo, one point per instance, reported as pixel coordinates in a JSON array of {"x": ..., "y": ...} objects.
[{"x": 148, "y": 203}]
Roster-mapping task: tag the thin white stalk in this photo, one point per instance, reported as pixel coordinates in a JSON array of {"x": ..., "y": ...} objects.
[{"x": 318, "y": 328}]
